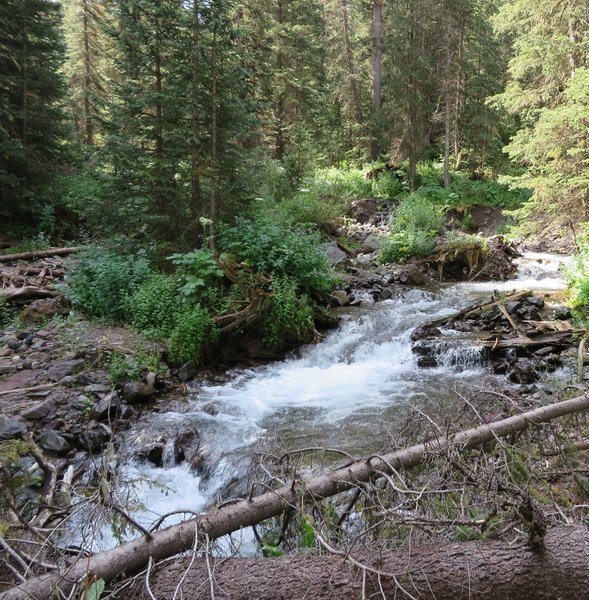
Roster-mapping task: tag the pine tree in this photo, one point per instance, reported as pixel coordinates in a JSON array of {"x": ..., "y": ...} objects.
[
  {"x": 31, "y": 120},
  {"x": 547, "y": 92},
  {"x": 86, "y": 65}
]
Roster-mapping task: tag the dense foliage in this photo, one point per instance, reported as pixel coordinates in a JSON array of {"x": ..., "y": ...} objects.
[{"x": 248, "y": 127}]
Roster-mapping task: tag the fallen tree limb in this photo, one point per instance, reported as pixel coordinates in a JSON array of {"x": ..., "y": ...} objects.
[
  {"x": 490, "y": 570},
  {"x": 516, "y": 296},
  {"x": 40, "y": 254},
  {"x": 28, "y": 292},
  {"x": 557, "y": 338},
  {"x": 134, "y": 555}
]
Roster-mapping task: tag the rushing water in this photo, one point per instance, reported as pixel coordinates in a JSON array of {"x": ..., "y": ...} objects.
[{"x": 341, "y": 393}]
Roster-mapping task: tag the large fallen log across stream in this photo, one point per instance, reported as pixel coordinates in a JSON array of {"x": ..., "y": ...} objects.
[
  {"x": 490, "y": 570},
  {"x": 135, "y": 555}
]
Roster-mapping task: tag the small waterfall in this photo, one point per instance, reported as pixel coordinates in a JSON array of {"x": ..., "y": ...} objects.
[
  {"x": 460, "y": 356},
  {"x": 169, "y": 454}
]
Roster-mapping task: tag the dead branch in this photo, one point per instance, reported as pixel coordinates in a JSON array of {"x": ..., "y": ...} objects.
[
  {"x": 134, "y": 555},
  {"x": 40, "y": 254}
]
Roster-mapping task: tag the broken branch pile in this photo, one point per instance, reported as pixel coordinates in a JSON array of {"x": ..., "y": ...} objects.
[{"x": 21, "y": 282}]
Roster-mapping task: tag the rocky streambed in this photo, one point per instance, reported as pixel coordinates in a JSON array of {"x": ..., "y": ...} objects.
[{"x": 173, "y": 448}]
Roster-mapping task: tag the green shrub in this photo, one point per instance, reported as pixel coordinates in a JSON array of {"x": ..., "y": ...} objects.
[
  {"x": 415, "y": 226},
  {"x": 155, "y": 305},
  {"x": 7, "y": 313},
  {"x": 418, "y": 212},
  {"x": 200, "y": 272},
  {"x": 309, "y": 208},
  {"x": 339, "y": 183},
  {"x": 578, "y": 273},
  {"x": 282, "y": 249},
  {"x": 289, "y": 320},
  {"x": 405, "y": 244},
  {"x": 194, "y": 330},
  {"x": 103, "y": 279}
]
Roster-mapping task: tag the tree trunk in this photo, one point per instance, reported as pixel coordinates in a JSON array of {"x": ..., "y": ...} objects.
[
  {"x": 88, "y": 122},
  {"x": 279, "y": 143},
  {"x": 135, "y": 555},
  {"x": 194, "y": 146},
  {"x": 376, "y": 71},
  {"x": 214, "y": 201},
  {"x": 351, "y": 66},
  {"x": 490, "y": 570}
]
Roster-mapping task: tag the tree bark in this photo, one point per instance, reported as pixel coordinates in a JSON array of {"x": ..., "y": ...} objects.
[
  {"x": 194, "y": 115},
  {"x": 351, "y": 66},
  {"x": 490, "y": 570},
  {"x": 89, "y": 125},
  {"x": 376, "y": 71},
  {"x": 134, "y": 555}
]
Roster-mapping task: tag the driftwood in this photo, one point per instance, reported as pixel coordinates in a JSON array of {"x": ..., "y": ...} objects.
[
  {"x": 40, "y": 254},
  {"x": 490, "y": 570},
  {"x": 135, "y": 555}
]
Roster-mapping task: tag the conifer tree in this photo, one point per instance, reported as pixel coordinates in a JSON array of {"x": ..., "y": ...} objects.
[
  {"x": 31, "y": 120},
  {"x": 547, "y": 91}
]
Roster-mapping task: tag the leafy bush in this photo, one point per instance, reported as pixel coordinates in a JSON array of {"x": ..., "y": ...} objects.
[
  {"x": 578, "y": 273},
  {"x": 289, "y": 320},
  {"x": 7, "y": 313},
  {"x": 308, "y": 207},
  {"x": 194, "y": 330},
  {"x": 339, "y": 183},
  {"x": 200, "y": 271},
  {"x": 405, "y": 244},
  {"x": 155, "y": 305},
  {"x": 281, "y": 249},
  {"x": 416, "y": 223},
  {"x": 418, "y": 212},
  {"x": 103, "y": 279}
]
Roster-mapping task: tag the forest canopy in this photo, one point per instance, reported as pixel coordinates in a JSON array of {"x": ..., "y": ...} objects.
[{"x": 144, "y": 116}]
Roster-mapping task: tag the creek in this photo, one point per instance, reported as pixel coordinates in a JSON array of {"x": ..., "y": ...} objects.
[{"x": 345, "y": 393}]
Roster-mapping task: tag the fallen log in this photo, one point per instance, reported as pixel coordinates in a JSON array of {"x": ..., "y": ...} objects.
[
  {"x": 135, "y": 555},
  {"x": 490, "y": 570},
  {"x": 40, "y": 254},
  {"x": 557, "y": 338},
  {"x": 516, "y": 296},
  {"x": 26, "y": 293}
]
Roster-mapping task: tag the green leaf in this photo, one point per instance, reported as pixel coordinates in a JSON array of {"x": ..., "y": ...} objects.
[{"x": 94, "y": 591}]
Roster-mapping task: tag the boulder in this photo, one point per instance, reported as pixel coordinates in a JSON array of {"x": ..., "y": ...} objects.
[
  {"x": 411, "y": 275},
  {"x": 44, "y": 309},
  {"x": 94, "y": 437},
  {"x": 51, "y": 441},
  {"x": 58, "y": 371},
  {"x": 106, "y": 407},
  {"x": 335, "y": 254},
  {"x": 41, "y": 410},
  {"x": 187, "y": 371},
  {"x": 11, "y": 427},
  {"x": 371, "y": 244},
  {"x": 135, "y": 392}
]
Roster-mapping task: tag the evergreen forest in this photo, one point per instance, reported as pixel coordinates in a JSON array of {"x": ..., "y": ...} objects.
[{"x": 191, "y": 189}]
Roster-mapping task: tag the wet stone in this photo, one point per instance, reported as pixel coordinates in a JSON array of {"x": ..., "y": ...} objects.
[
  {"x": 187, "y": 371},
  {"x": 107, "y": 406},
  {"x": 52, "y": 441},
  {"x": 425, "y": 362}
]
